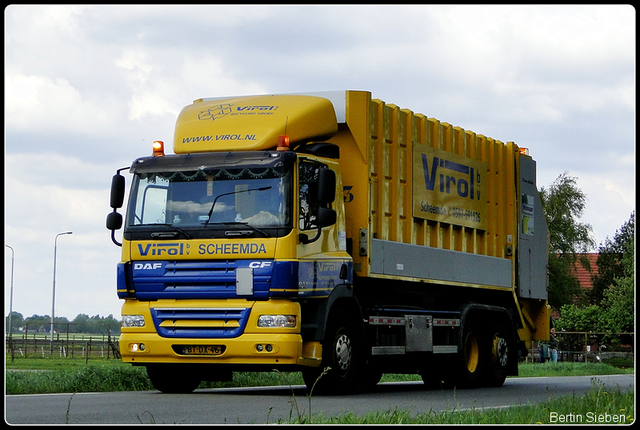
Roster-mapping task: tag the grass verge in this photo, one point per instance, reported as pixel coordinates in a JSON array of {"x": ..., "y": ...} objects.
[
  {"x": 73, "y": 375},
  {"x": 527, "y": 370},
  {"x": 598, "y": 406}
]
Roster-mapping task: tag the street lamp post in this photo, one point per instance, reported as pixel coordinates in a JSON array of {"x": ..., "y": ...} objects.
[
  {"x": 11, "y": 293},
  {"x": 53, "y": 300}
]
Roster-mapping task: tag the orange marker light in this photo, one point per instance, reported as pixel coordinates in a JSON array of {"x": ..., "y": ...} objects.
[
  {"x": 158, "y": 148},
  {"x": 283, "y": 143}
]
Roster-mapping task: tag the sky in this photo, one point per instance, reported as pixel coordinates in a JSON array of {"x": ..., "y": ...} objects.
[{"x": 89, "y": 88}]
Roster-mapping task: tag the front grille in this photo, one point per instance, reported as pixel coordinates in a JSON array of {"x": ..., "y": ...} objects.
[
  {"x": 200, "y": 322},
  {"x": 199, "y": 279}
]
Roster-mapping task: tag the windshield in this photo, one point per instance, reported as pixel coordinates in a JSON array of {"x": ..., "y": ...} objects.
[{"x": 206, "y": 199}]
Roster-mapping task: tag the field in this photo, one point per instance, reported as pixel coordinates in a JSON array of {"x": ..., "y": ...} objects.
[{"x": 55, "y": 375}]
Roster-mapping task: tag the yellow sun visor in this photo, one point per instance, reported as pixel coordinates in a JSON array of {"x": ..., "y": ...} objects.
[{"x": 253, "y": 123}]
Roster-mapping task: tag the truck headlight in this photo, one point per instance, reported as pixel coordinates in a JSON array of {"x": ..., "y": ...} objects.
[
  {"x": 280, "y": 321},
  {"x": 132, "y": 320}
]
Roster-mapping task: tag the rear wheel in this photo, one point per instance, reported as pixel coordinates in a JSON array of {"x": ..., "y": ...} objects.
[
  {"x": 473, "y": 354},
  {"x": 172, "y": 378},
  {"x": 501, "y": 353}
]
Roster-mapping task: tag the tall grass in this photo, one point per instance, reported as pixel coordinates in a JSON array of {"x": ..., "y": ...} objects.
[
  {"x": 528, "y": 370},
  {"x": 72, "y": 375},
  {"x": 597, "y": 406},
  {"x": 81, "y": 379},
  {"x": 46, "y": 375}
]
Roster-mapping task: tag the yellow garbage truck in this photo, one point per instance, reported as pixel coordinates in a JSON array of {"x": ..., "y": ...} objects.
[{"x": 333, "y": 234}]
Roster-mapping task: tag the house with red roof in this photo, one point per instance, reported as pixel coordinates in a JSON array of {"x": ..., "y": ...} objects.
[{"x": 582, "y": 273}]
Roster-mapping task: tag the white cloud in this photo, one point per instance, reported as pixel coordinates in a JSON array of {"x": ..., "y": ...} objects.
[
  {"x": 47, "y": 105},
  {"x": 209, "y": 76},
  {"x": 610, "y": 201},
  {"x": 150, "y": 93},
  {"x": 31, "y": 99}
]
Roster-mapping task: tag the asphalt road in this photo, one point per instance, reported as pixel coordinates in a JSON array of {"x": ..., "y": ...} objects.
[{"x": 277, "y": 404}]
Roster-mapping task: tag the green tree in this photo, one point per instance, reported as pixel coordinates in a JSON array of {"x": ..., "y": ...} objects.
[
  {"x": 17, "y": 321},
  {"x": 578, "y": 318},
  {"x": 43, "y": 323},
  {"x": 81, "y": 324},
  {"x": 609, "y": 260},
  {"x": 564, "y": 287},
  {"x": 563, "y": 204},
  {"x": 618, "y": 300},
  {"x": 616, "y": 311},
  {"x": 38, "y": 322},
  {"x": 111, "y": 324}
]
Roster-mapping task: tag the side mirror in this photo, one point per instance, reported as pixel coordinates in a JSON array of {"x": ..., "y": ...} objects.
[
  {"x": 326, "y": 186},
  {"x": 117, "y": 191},
  {"x": 326, "y": 217},
  {"x": 326, "y": 195},
  {"x": 114, "y": 221}
]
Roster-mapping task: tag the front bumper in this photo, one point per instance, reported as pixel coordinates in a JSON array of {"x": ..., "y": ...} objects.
[
  {"x": 248, "y": 349},
  {"x": 253, "y": 346}
]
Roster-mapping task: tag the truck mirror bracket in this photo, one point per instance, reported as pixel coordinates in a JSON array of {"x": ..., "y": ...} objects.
[
  {"x": 114, "y": 222},
  {"x": 326, "y": 217}
]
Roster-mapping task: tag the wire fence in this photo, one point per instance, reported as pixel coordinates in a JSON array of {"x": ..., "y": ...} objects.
[
  {"x": 573, "y": 346},
  {"x": 586, "y": 347},
  {"x": 30, "y": 344}
]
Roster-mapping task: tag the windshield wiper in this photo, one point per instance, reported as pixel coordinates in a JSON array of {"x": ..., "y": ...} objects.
[
  {"x": 170, "y": 233},
  {"x": 228, "y": 194},
  {"x": 230, "y": 233}
]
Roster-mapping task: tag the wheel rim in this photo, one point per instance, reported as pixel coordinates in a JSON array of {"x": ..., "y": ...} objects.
[
  {"x": 500, "y": 351},
  {"x": 472, "y": 352},
  {"x": 343, "y": 352}
]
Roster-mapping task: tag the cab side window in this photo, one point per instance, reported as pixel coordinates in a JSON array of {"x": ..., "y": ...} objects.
[{"x": 308, "y": 179}]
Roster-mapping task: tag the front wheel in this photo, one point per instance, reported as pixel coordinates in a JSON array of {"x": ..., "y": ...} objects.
[
  {"x": 172, "y": 378},
  {"x": 340, "y": 357}
]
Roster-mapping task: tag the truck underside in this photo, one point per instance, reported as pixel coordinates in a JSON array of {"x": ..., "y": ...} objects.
[{"x": 447, "y": 334}]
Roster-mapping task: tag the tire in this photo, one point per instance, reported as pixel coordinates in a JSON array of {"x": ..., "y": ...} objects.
[
  {"x": 172, "y": 379},
  {"x": 340, "y": 354},
  {"x": 501, "y": 353},
  {"x": 473, "y": 355}
]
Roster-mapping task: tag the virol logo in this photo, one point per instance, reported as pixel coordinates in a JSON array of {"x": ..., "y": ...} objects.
[
  {"x": 449, "y": 177},
  {"x": 215, "y": 112},
  {"x": 161, "y": 249},
  {"x": 448, "y": 187},
  {"x": 222, "y": 110}
]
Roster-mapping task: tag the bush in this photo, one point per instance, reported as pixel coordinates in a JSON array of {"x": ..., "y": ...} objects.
[{"x": 573, "y": 318}]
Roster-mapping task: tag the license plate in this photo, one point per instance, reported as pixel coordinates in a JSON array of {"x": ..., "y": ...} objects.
[{"x": 202, "y": 349}]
